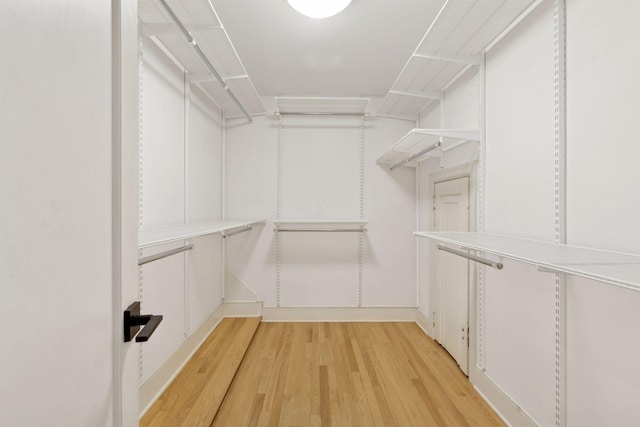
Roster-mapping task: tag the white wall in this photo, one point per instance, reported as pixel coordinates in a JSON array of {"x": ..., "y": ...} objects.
[
  {"x": 519, "y": 200},
  {"x": 602, "y": 208},
  {"x": 180, "y": 182},
  {"x": 320, "y": 178},
  {"x": 57, "y": 334},
  {"x": 519, "y": 130},
  {"x": 517, "y": 324}
]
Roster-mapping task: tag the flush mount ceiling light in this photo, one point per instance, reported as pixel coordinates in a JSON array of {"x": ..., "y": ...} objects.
[{"x": 319, "y": 8}]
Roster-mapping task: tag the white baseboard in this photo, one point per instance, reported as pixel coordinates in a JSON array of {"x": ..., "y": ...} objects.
[
  {"x": 425, "y": 323},
  {"x": 493, "y": 394},
  {"x": 151, "y": 390},
  {"x": 338, "y": 314},
  {"x": 243, "y": 309},
  {"x": 499, "y": 400},
  {"x": 162, "y": 377}
]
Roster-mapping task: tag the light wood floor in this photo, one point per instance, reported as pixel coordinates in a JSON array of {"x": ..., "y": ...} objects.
[
  {"x": 194, "y": 396},
  {"x": 350, "y": 374}
]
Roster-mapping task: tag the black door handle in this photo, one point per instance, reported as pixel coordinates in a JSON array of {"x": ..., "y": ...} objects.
[{"x": 133, "y": 320}]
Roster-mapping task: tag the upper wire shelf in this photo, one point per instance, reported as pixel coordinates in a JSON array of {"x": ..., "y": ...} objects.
[
  {"x": 421, "y": 143},
  {"x": 454, "y": 42},
  {"x": 191, "y": 31},
  {"x": 321, "y": 106}
]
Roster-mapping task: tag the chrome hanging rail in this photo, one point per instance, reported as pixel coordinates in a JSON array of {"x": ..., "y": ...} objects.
[
  {"x": 165, "y": 254},
  {"x": 416, "y": 155},
  {"x": 233, "y": 232},
  {"x": 204, "y": 58},
  {"x": 497, "y": 265},
  {"x": 323, "y": 230},
  {"x": 293, "y": 113}
]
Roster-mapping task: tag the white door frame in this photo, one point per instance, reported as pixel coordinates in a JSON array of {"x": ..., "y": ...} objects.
[{"x": 124, "y": 173}]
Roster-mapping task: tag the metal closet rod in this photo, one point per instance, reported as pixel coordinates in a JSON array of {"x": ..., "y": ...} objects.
[
  {"x": 236, "y": 231},
  {"x": 496, "y": 265},
  {"x": 327, "y": 230},
  {"x": 291, "y": 113},
  {"x": 416, "y": 155},
  {"x": 164, "y": 254},
  {"x": 203, "y": 57}
]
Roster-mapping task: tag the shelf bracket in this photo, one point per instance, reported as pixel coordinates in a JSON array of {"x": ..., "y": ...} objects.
[{"x": 459, "y": 59}]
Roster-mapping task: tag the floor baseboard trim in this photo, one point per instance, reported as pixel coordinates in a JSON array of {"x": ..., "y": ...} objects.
[
  {"x": 151, "y": 390},
  {"x": 425, "y": 323},
  {"x": 338, "y": 314},
  {"x": 243, "y": 309},
  {"x": 499, "y": 400}
]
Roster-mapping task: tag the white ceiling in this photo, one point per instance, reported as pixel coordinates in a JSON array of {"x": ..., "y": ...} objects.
[{"x": 358, "y": 52}]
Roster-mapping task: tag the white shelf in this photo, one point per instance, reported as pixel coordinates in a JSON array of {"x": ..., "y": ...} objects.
[
  {"x": 454, "y": 42},
  {"x": 156, "y": 236},
  {"x": 202, "y": 22},
  {"x": 417, "y": 140},
  {"x": 614, "y": 268},
  {"x": 321, "y": 106}
]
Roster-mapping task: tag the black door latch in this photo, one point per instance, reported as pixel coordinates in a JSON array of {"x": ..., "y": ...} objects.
[{"x": 133, "y": 320}]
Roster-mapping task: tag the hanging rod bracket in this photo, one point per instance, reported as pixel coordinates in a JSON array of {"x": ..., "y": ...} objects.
[
  {"x": 155, "y": 257},
  {"x": 416, "y": 155},
  {"x": 490, "y": 263}
]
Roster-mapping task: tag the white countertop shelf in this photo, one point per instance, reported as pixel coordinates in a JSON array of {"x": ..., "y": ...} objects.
[
  {"x": 159, "y": 235},
  {"x": 454, "y": 42},
  {"x": 614, "y": 268},
  {"x": 417, "y": 140}
]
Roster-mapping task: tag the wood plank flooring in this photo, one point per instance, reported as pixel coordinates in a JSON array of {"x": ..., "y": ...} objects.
[
  {"x": 350, "y": 374},
  {"x": 194, "y": 396}
]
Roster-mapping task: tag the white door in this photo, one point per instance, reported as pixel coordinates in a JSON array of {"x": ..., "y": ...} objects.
[
  {"x": 66, "y": 260},
  {"x": 451, "y": 213}
]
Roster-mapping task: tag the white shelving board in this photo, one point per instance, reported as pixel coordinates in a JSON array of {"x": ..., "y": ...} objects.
[
  {"x": 321, "y": 105},
  {"x": 201, "y": 20},
  {"x": 159, "y": 235},
  {"x": 417, "y": 140},
  {"x": 614, "y": 268},
  {"x": 454, "y": 42}
]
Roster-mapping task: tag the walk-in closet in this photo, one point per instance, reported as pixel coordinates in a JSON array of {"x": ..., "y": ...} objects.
[{"x": 236, "y": 212}]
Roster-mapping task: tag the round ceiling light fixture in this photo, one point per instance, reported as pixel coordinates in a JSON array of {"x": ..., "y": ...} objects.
[{"x": 319, "y": 8}]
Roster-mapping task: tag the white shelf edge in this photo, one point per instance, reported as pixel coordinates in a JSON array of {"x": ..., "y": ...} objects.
[
  {"x": 176, "y": 233},
  {"x": 459, "y": 135},
  {"x": 323, "y": 105},
  {"x": 550, "y": 266}
]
